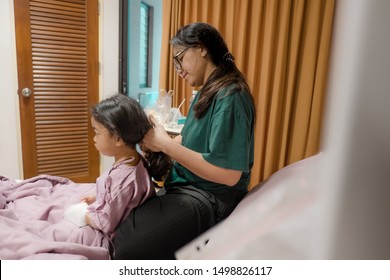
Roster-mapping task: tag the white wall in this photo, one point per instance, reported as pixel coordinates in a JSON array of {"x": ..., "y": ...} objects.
[
  {"x": 10, "y": 147},
  {"x": 109, "y": 56}
]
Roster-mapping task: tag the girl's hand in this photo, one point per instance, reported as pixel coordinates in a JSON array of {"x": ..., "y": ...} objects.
[{"x": 88, "y": 199}]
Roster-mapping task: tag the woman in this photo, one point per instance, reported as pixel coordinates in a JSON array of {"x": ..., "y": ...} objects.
[{"x": 212, "y": 157}]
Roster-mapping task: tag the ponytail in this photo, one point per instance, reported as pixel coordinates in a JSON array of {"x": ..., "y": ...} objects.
[{"x": 157, "y": 164}]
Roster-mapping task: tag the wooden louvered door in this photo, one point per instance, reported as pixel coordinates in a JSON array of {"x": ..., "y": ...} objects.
[{"x": 57, "y": 59}]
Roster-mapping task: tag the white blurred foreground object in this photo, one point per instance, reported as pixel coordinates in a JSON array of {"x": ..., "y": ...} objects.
[
  {"x": 334, "y": 205},
  {"x": 264, "y": 224}
]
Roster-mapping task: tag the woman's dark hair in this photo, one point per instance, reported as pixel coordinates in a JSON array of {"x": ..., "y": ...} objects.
[
  {"x": 204, "y": 35},
  {"x": 124, "y": 117}
]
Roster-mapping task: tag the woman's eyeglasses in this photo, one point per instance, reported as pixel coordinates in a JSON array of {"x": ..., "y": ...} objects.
[{"x": 177, "y": 60}]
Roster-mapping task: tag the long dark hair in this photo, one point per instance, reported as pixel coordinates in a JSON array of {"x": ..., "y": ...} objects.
[
  {"x": 123, "y": 116},
  {"x": 204, "y": 35}
]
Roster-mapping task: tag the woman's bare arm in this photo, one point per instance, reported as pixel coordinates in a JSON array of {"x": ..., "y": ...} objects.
[{"x": 158, "y": 140}]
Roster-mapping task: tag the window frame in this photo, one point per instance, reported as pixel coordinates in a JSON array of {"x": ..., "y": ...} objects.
[
  {"x": 149, "y": 45},
  {"x": 125, "y": 84},
  {"x": 123, "y": 45}
]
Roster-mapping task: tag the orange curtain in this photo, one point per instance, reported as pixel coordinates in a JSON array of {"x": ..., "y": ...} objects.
[{"x": 282, "y": 46}]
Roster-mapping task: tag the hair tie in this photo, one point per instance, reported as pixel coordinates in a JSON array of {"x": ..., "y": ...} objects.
[{"x": 228, "y": 57}]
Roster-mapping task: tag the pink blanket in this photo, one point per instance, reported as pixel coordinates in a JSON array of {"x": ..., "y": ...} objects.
[{"x": 32, "y": 224}]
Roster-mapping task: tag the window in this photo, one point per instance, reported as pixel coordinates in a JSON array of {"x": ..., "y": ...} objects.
[
  {"x": 140, "y": 46},
  {"x": 144, "y": 46}
]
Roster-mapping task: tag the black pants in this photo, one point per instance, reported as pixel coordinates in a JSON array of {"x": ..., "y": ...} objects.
[{"x": 165, "y": 223}]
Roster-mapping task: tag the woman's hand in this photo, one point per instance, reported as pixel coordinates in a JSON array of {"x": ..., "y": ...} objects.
[{"x": 156, "y": 139}]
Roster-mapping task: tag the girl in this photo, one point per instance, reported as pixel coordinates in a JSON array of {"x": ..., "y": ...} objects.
[
  {"x": 119, "y": 123},
  {"x": 33, "y": 222}
]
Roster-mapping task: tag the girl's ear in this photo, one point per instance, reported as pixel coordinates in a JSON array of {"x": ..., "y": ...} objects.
[{"x": 119, "y": 141}]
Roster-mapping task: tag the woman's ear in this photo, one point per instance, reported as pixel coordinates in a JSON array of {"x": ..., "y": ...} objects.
[{"x": 203, "y": 52}]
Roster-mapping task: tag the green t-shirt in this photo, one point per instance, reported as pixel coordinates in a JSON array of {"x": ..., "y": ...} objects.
[{"x": 224, "y": 136}]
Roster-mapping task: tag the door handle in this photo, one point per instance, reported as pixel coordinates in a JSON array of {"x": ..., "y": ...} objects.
[{"x": 26, "y": 92}]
